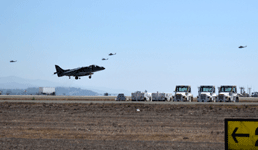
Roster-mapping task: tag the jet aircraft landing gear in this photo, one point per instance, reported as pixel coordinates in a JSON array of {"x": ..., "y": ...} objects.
[
  {"x": 89, "y": 77},
  {"x": 76, "y": 78}
]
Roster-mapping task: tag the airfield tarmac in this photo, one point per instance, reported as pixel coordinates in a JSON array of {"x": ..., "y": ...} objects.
[{"x": 77, "y": 124}]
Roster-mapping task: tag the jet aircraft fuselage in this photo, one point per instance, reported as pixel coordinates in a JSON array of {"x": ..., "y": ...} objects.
[{"x": 78, "y": 72}]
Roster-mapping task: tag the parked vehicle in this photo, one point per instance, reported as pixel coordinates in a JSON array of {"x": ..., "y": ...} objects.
[
  {"x": 227, "y": 93},
  {"x": 206, "y": 93},
  {"x": 120, "y": 97},
  {"x": 47, "y": 91},
  {"x": 141, "y": 96},
  {"x": 183, "y": 93},
  {"x": 161, "y": 96},
  {"x": 255, "y": 94}
]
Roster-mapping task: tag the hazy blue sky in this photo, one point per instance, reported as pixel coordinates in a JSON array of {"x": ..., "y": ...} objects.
[{"x": 159, "y": 44}]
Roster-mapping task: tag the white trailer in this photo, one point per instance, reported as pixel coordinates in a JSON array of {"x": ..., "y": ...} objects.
[
  {"x": 183, "y": 93},
  {"x": 47, "y": 91},
  {"x": 161, "y": 96},
  {"x": 141, "y": 96},
  {"x": 206, "y": 93},
  {"x": 227, "y": 93}
]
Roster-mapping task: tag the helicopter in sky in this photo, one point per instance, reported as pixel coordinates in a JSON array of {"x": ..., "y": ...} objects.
[
  {"x": 110, "y": 54},
  {"x": 242, "y": 46}
]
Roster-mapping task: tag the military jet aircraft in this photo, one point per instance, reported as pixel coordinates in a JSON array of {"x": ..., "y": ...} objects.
[
  {"x": 104, "y": 58},
  {"x": 242, "y": 46},
  {"x": 110, "y": 54},
  {"x": 77, "y": 72},
  {"x": 12, "y": 61}
]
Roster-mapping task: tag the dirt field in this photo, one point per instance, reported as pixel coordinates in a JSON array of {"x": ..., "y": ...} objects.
[{"x": 116, "y": 126}]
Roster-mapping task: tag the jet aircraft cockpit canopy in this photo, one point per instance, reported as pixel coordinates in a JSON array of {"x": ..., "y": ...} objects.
[{"x": 96, "y": 67}]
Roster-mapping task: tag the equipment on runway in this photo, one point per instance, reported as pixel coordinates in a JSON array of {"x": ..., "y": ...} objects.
[
  {"x": 77, "y": 72},
  {"x": 183, "y": 93},
  {"x": 243, "y": 93},
  {"x": 141, "y": 96},
  {"x": 161, "y": 96},
  {"x": 47, "y": 91},
  {"x": 120, "y": 97},
  {"x": 227, "y": 93},
  {"x": 255, "y": 94},
  {"x": 206, "y": 94}
]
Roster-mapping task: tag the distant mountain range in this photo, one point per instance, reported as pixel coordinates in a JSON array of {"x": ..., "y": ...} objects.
[
  {"x": 13, "y": 82},
  {"x": 69, "y": 91}
]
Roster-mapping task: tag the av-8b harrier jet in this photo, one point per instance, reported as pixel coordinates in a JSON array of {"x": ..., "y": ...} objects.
[
  {"x": 77, "y": 72},
  {"x": 12, "y": 61}
]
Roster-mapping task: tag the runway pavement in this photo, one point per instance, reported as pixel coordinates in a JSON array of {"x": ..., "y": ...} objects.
[{"x": 128, "y": 102}]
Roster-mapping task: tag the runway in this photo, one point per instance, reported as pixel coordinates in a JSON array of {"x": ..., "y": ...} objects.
[{"x": 126, "y": 102}]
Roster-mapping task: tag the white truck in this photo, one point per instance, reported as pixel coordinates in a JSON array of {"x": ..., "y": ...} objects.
[
  {"x": 227, "y": 93},
  {"x": 141, "y": 96},
  {"x": 120, "y": 97},
  {"x": 161, "y": 96},
  {"x": 183, "y": 93},
  {"x": 206, "y": 93},
  {"x": 47, "y": 91}
]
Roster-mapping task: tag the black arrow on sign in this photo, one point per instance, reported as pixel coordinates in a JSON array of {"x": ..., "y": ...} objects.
[{"x": 234, "y": 135}]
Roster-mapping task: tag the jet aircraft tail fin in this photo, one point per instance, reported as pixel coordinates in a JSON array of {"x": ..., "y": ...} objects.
[{"x": 58, "y": 70}]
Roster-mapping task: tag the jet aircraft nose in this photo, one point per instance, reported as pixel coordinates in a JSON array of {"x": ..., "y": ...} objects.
[{"x": 103, "y": 68}]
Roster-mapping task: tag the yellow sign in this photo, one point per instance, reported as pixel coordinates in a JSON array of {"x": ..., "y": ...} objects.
[{"x": 241, "y": 134}]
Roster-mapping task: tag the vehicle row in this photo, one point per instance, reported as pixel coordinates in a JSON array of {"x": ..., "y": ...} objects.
[
  {"x": 206, "y": 93},
  {"x": 226, "y": 93}
]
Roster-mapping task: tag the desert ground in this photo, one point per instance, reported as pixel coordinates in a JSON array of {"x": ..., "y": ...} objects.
[{"x": 116, "y": 125}]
